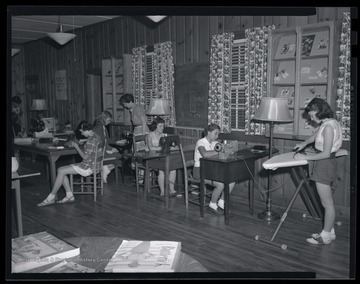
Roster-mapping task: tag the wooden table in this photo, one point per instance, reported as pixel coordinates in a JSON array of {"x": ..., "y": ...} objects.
[
  {"x": 15, "y": 184},
  {"x": 233, "y": 169},
  {"x": 95, "y": 252},
  {"x": 166, "y": 163},
  {"x": 42, "y": 149}
]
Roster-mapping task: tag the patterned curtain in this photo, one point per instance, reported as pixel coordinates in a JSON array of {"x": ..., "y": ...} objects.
[
  {"x": 256, "y": 47},
  {"x": 163, "y": 66},
  {"x": 343, "y": 103},
  {"x": 220, "y": 81},
  {"x": 138, "y": 75}
]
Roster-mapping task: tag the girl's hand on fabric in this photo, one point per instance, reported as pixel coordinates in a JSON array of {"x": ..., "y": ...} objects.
[
  {"x": 299, "y": 147},
  {"x": 298, "y": 156},
  {"x": 114, "y": 150}
]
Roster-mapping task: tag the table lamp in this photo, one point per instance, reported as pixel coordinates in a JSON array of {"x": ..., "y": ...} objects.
[
  {"x": 158, "y": 107},
  {"x": 39, "y": 105},
  {"x": 272, "y": 110}
]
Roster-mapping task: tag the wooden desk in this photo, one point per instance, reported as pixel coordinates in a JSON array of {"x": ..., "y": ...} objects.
[
  {"x": 95, "y": 252},
  {"x": 166, "y": 163},
  {"x": 15, "y": 184},
  {"x": 233, "y": 169},
  {"x": 42, "y": 149}
]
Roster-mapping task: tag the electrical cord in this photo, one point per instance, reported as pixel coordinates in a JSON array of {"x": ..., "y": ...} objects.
[{"x": 261, "y": 190}]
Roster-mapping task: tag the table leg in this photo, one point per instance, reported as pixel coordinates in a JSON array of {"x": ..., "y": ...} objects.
[
  {"x": 202, "y": 192},
  {"x": 146, "y": 179},
  {"x": 52, "y": 164},
  {"x": 227, "y": 202},
  {"x": 116, "y": 171},
  {"x": 167, "y": 161},
  {"x": 16, "y": 186},
  {"x": 251, "y": 196}
]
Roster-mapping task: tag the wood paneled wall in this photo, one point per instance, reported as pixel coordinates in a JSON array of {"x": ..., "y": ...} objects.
[
  {"x": 190, "y": 35},
  {"x": 191, "y": 43}
]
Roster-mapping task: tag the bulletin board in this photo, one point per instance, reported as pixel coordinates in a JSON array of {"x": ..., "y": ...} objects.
[
  {"x": 191, "y": 94},
  {"x": 61, "y": 85}
]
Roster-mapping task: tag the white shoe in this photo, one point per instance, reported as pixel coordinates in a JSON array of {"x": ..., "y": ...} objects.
[
  {"x": 332, "y": 236},
  {"x": 319, "y": 240}
]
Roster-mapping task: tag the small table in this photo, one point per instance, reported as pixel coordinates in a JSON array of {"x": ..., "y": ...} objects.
[
  {"x": 15, "y": 184},
  {"x": 95, "y": 252},
  {"x": 239, "y": 167},
  {"x": 166, "y": 163},
  {"x": 42, "y": 149}
]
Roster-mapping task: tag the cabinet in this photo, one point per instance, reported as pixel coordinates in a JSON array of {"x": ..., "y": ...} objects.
[
  {"x": 116, "y": 81},
  {"x": 302, "y": 65}
]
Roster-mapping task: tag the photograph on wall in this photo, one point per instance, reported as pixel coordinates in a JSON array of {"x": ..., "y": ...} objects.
[{"x": 306, "y": 44}]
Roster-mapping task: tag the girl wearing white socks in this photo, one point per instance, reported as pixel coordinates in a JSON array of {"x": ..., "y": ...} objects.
[
  {"x": 322, "y": 166},
  {"x": 205, "y": 148}
]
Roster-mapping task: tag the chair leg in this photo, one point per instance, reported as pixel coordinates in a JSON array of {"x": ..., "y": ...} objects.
[
  {"x": 94, "y": 186},
  {"x": 137, "y": 177},
  {"x": 122, "y": 170},
  {"x": 71, "y": 183},
  {"x": 116, "y": 172},
  {"x": 186, "y": 193}
]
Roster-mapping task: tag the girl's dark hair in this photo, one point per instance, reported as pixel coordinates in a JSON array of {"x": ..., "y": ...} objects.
[
  {"x": 126, "y": 98},
  {"x": 157, "y": 120},
  {"x": 210, "y": 128},
  {"x": 84, "y": 125},
  {"x": 321, "y": 108}
]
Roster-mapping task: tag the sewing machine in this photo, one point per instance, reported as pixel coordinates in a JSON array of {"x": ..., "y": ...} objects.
[{"x": 167, "y": 142}]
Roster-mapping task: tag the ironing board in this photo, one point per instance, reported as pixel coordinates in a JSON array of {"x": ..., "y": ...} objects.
[{"x": 299, "y": 176}]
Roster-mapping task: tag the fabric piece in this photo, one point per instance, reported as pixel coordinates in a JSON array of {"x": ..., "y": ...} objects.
[
  {"x": 256, "y": 77},
  {"x": 219, "y": 99},
  {"x": 343, "y": 94}
]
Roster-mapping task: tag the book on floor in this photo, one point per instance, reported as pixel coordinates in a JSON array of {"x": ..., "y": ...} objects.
[
  {"x": 36, "y": 250},
  {"x": 145, "y": 256},
  {"x": 69, "y": 267}
]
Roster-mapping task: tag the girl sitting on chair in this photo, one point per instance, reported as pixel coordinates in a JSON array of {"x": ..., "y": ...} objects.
[
  {"x": 84, "y": 168},
  {"x": 152, "y": 142},
  {"x": 205, "y": 148}
]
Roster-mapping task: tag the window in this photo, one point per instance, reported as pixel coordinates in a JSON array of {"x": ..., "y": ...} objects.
[{"x": 237, "y": 103}]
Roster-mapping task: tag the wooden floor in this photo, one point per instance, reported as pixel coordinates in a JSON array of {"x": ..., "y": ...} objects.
[{"x": 218, "y": 247}]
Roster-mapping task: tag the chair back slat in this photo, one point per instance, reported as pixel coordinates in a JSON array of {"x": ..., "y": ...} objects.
[{"x": 139, "y": 142}]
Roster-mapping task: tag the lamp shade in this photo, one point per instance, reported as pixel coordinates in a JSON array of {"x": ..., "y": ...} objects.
[
  {"x": 39, "y": 104},
  {"x": 14, "y": 51},
  {"x": 158, "y": 107},
  {"x": 156, "y": 19},
  {"x": 60, "y": 37},
  {"x": 273, "y": 109}
]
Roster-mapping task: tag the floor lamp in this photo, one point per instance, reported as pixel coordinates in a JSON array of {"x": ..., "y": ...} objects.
[{"x": 272, "y": 110}]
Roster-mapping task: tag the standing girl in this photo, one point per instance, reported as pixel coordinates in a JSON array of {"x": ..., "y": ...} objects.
[{"x": 328, "y": 140}]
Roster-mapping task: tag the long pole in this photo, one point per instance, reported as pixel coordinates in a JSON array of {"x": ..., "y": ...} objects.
[{"x": 269, "y": 215}]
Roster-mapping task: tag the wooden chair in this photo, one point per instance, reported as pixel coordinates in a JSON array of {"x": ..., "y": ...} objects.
[
  {"x": 91, "y": 184},
  {"x": 190, "y": 184},
  {"x": 139, "y": 144}
]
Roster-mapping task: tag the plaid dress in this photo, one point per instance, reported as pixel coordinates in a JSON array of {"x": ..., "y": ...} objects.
[{"x": 85, "y": 167}]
